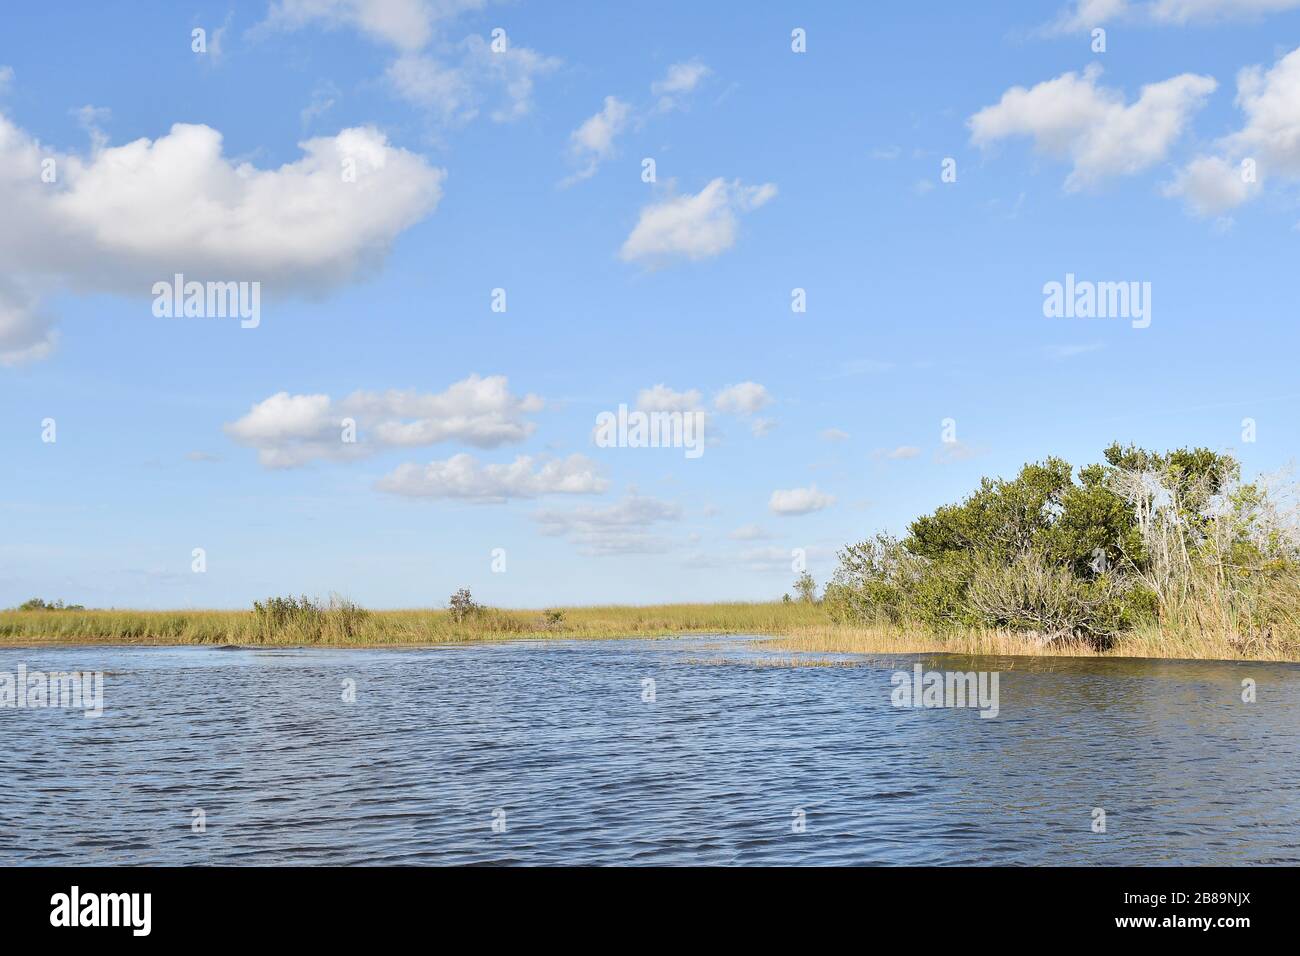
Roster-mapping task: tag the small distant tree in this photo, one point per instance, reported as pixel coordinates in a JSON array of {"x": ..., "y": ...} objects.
[
  {"x": 462, "y": 606},
  {"x": 806, "y": 588},
  {"x": 39, "y": 604}
]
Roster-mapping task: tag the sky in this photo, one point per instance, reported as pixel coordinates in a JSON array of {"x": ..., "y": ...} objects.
[{"x": 825, "y": 229}]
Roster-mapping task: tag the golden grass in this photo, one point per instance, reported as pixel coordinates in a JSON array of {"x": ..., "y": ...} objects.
[
  {"x": 406, "y": 627},
  {"x": 796, "y": 628},
  {"x": 1181, "y": 644}
]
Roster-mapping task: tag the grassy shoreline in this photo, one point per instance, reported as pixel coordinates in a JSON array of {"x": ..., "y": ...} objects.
[{"x": 795, "y": 628}]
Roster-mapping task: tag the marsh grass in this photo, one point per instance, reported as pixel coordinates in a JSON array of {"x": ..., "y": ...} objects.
[
  {"x": 300, "y": 621},
  {"x": 795, "y": 628},
  {"x": 1180, "y": 643}
]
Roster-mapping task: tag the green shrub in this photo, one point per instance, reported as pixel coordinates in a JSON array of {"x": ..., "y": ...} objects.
[{"x": 1142, "y": 538}]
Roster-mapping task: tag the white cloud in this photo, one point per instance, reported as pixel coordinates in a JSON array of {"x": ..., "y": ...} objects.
[
  {"x": 1210, "y": 186},
  {"x": 515, "y": 71},
  {"x": 661, "y": 398},
  {"x": 26, "y": 334},
  {"x": 834, "y": 435},
  {"x": 799, "y": 501},
  {"x": 120, "y": 218},
  {"x": 593, "y": 142},
  {"x": 323, "y": 98},
  {"x": 292, "y": 430},
  {"x": 681, "y": 79},
  {"x": 1267, "y": 144},
  {"x": 6, "y": 78},
  {"x": 1071, "y": 117},
  {"x": 762, "y": 427},
  {"x": 694, "y": 227},
  {"x": 749, "y": 532},
  {"x": 1086, "y": 14},
  {"x": 457, "y": 90},
  {"x": 405, "y": 24},
  {"x": 1187, "y": 11},
  {"x": 461, "y": 476},
  {"x": 454, "y": 83},
  {"x": 745, "y": 398},
  {"x": 434, "y": 85},
  {"x": 622, "y": 528},
  {"x": 1271, "y": 101}
]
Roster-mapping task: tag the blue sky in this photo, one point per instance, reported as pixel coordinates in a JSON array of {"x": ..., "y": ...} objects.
[{"x": 775, "y": 170}]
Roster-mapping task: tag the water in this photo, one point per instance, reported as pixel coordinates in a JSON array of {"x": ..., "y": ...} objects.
[{"x": 558, "y": 737}]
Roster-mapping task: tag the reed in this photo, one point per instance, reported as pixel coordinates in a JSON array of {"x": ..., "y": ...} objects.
[
  {"x": 290, "y": 623},
  {"x": 795, "y": 628}
]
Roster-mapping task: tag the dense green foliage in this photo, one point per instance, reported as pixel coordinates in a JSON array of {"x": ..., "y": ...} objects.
[{"x": 1087, "y": 556}]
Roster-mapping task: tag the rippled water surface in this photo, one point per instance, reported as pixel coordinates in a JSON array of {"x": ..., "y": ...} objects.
[{"x": 713, "y": 770}]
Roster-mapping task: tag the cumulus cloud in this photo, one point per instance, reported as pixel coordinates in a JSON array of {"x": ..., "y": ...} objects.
[
  {"x": 1268, "y": 143},
  {"x": 622, "y": 528},
  {"x": 292, "y": 430},
  {"x": 834, "y": 435},
  {"x": 693, "y": 227},
  {"x": 680, "y": 80},
  {"x": 462, "y": 476},
  {"x": 799, "y": 501},
  {"x": 593, "y": 142},
  {"x": 745, "y": 398},
  {"x": 1073, "y": 118},
  {"x": 1271, "y": 101},
  {"x": 120, "y": 218}
]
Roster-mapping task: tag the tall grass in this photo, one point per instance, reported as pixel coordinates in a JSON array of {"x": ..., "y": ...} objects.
[
  {"x": 1151, "y": 641},
  {"x": 796, "y": 627},
  {"x": 298, "y": 621}
]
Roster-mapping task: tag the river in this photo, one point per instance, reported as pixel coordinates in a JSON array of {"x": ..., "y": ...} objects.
[{"x": 679, "y": 751}]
